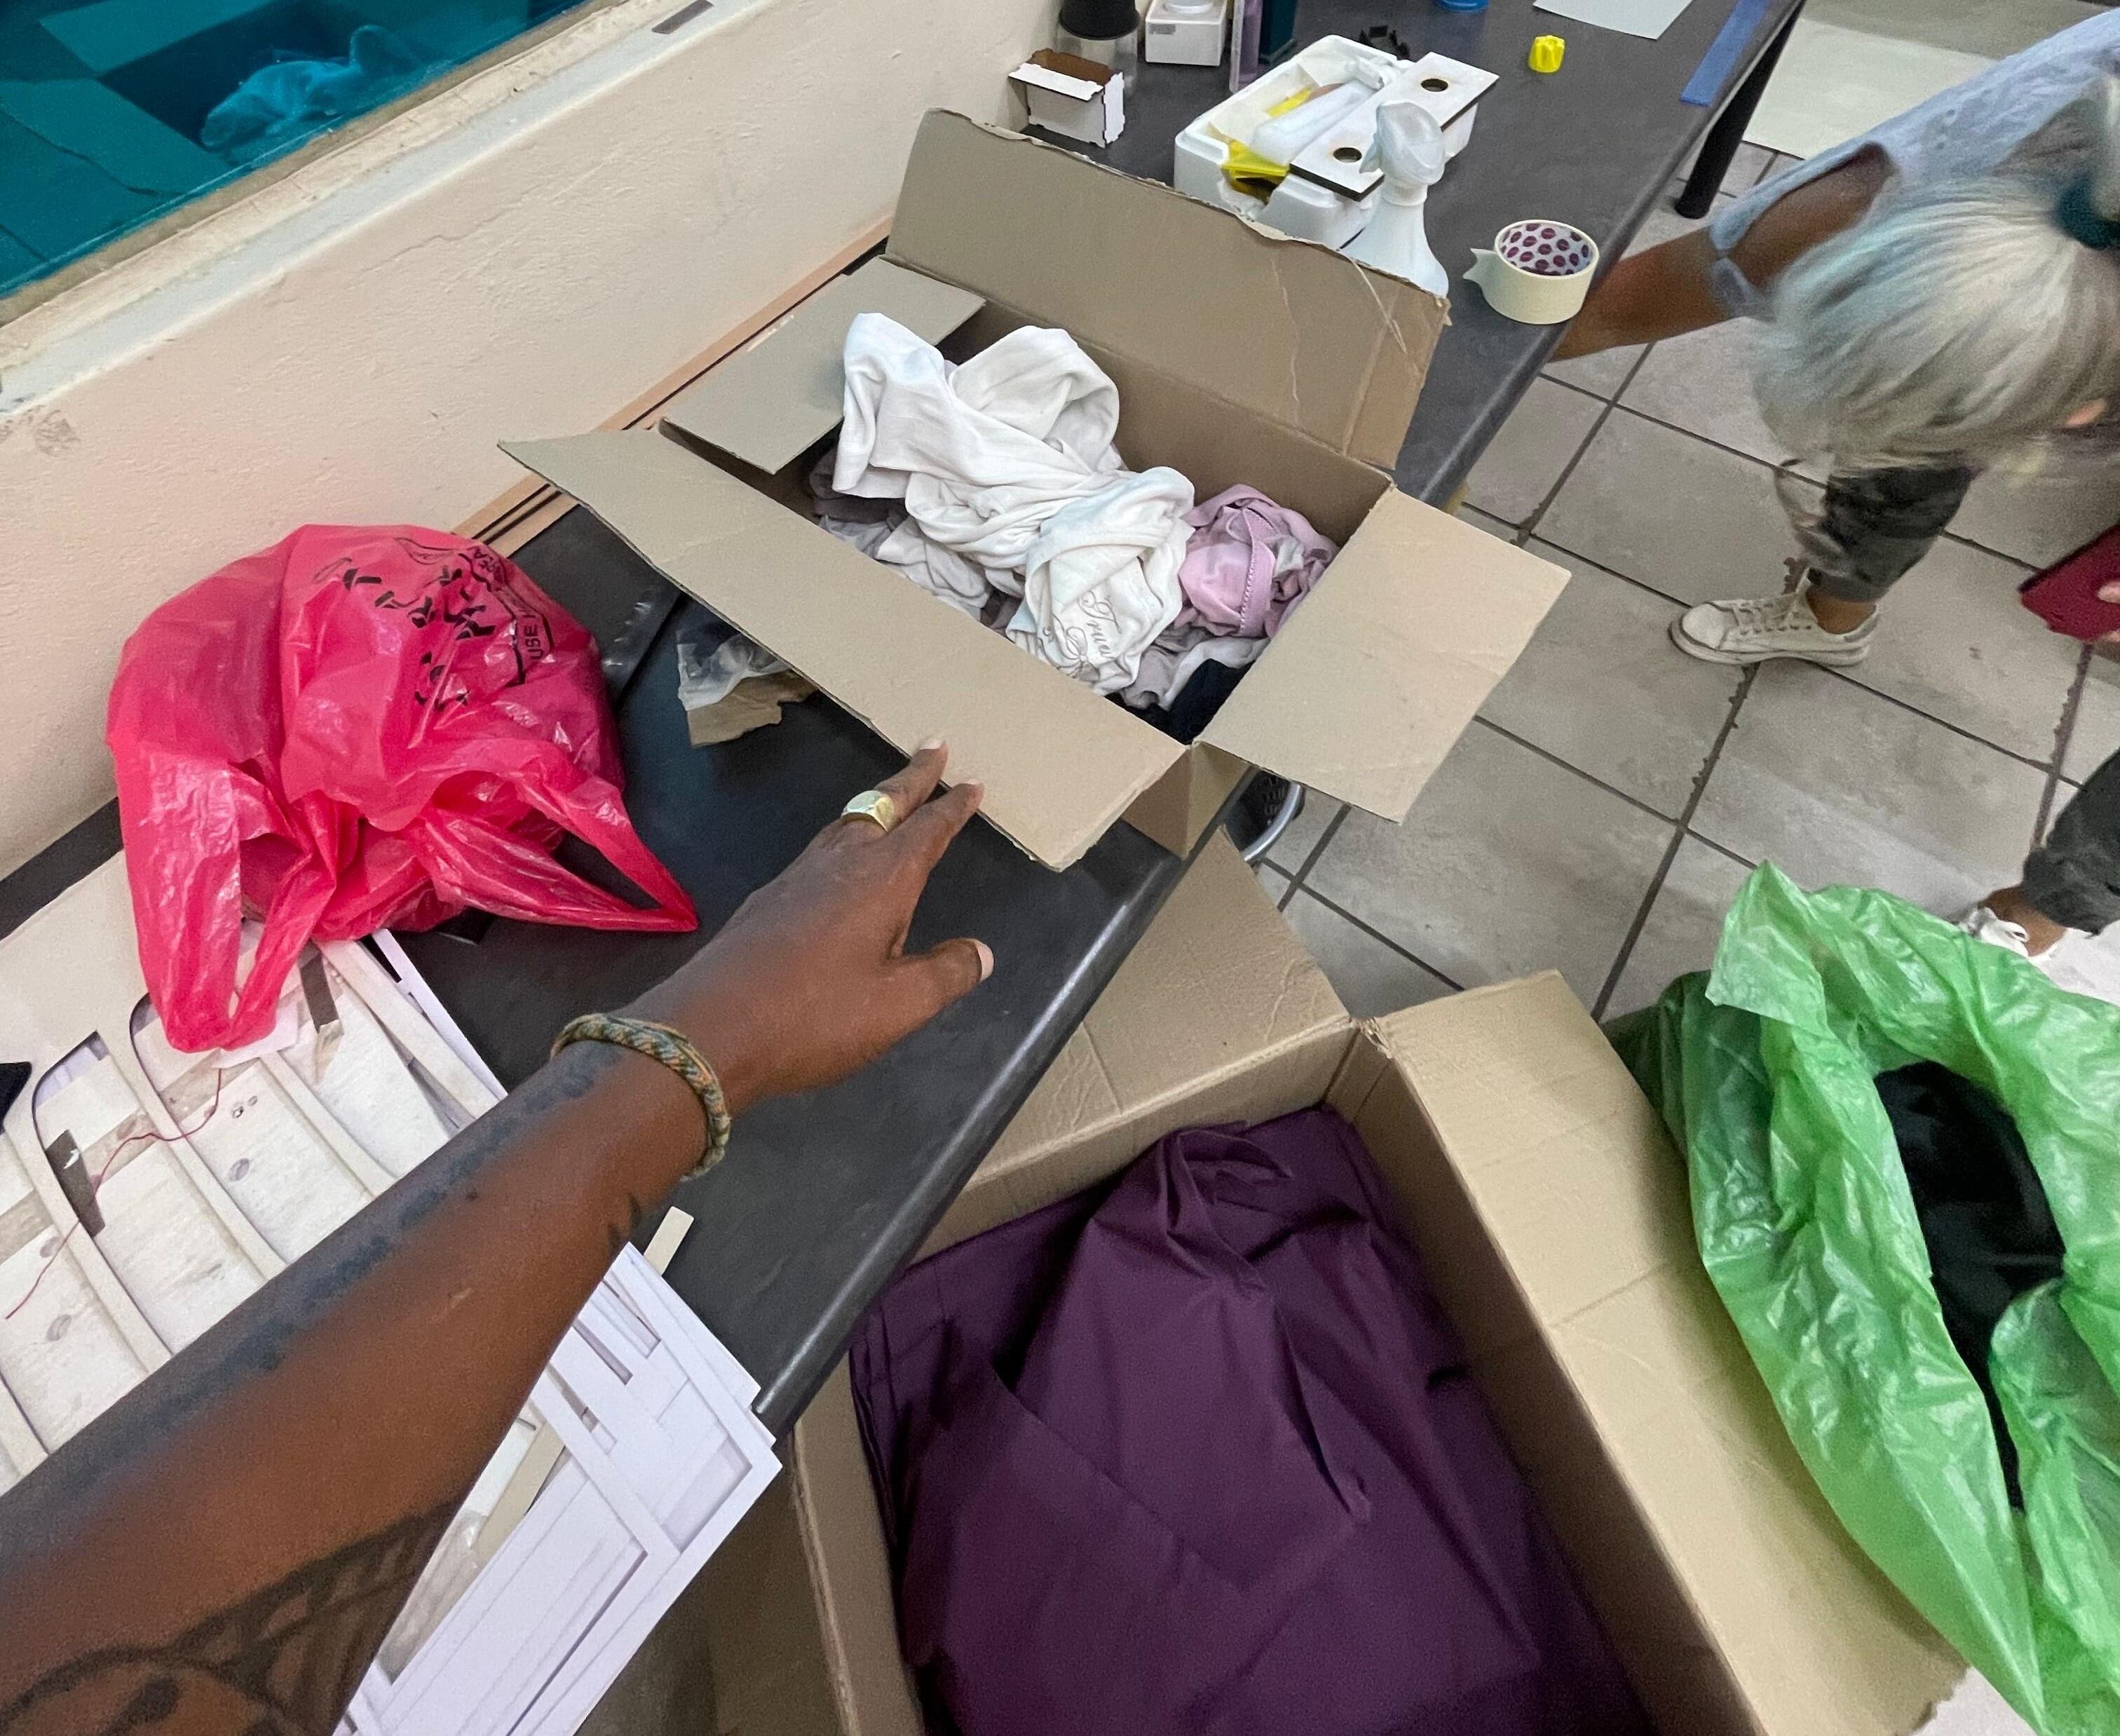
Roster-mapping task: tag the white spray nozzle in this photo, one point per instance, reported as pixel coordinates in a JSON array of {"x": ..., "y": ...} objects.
[
  {"x": 1409, "y": 149},
  {"x": 1408, "y": 146}
]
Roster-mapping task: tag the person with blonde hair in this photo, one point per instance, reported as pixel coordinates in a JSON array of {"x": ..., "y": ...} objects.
[{"x": 1941, "y": 296}]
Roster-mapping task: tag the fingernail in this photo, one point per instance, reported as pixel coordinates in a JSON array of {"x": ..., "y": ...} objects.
[
  {"x": 986, "y": 960},
  {"x": 978, "y": 791},
  {"x": 930, "y": 745}
]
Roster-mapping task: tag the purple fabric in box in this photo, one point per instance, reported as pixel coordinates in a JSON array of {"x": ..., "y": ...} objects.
[{"x": 1198, "y": 1452}]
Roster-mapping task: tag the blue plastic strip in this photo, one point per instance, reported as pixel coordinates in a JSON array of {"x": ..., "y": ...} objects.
[{"x": 1730, "y": 42}]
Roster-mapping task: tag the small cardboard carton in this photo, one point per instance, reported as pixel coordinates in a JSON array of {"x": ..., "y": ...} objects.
[
  {"x": 1551, "y": 1217},
  {"x": 1240, "y": 356},
  {"x": 1072, "y": 97}
]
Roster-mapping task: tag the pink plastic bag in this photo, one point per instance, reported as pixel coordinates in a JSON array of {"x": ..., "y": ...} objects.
[{"x": 359, "y": 728}]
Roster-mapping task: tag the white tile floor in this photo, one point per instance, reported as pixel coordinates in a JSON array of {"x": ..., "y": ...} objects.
[
  {"x": 1600, "y": 815},
  {"x": 1807, "y": 108}
]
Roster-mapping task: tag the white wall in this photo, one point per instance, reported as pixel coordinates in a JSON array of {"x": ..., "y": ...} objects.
[{"x": 355, "y": 359}]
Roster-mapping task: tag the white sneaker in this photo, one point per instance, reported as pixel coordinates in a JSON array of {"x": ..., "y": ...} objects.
[
  {"x": 2076, "y": 962},
  {"x": 1983, "y": 924},
  {"x": 1753, "y": 630}
]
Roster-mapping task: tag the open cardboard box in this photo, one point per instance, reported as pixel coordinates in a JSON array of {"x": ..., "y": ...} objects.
[
  {"x": 1240, "y": 356},
  {"x": 740, "y": 1653},
  {"x": 1552, "y": 1215}
]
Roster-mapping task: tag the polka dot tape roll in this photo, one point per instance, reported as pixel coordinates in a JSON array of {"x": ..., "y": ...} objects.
[{"x": 1550, "y": 249}]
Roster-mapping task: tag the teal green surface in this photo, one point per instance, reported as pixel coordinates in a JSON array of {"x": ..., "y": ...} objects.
[{"x": 114, "y": 112}]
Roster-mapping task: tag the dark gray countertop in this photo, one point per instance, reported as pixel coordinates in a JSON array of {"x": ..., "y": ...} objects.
[
  {"x": 1594, "y": 144},
  {"x": 823, "y": 1196}
]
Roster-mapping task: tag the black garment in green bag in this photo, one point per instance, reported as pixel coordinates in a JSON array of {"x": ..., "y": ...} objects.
[{"x": 1764, "y": 1073}]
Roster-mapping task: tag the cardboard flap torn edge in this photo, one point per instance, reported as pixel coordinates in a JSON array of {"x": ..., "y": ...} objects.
[
  {"x": 1322, "y": 343},
  {"x": 1060, "y": 763}
]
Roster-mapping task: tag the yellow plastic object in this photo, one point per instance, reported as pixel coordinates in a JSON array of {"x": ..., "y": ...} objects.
[
  {"x": 1244, "y": 169},
  {"x": 1545, "y": 52},
  {"x": 1248, "y": 172}
]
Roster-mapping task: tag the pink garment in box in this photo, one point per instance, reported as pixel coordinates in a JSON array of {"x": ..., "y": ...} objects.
[{"x": 1248, "y": 563}]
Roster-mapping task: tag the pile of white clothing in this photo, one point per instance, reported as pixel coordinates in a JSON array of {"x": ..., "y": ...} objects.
[{"x": 999, "y": 479}]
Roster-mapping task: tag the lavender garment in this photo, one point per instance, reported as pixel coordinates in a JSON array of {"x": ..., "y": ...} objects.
[
  {"x": 1248, "y": 563},
  {"x": 1197, "y": 1452}
]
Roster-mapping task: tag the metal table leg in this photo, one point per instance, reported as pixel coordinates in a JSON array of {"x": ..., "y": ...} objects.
[{"x": 1720, "y": 148}]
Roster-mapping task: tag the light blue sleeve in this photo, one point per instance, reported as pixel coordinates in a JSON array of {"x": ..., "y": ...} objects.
[
  {"x": 1973, "y": 128},
  {"x": 1739, "y": 297}
]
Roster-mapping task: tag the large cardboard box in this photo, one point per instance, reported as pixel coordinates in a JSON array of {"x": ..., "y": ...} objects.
[
  {"x": 740, "y": 1653},
  {"x": 1552, "y": 1215},
  {"x": 1240, "y": 356}
]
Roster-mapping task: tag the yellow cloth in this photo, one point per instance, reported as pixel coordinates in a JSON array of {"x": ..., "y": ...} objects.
[{"x": 1248, "y": 172}]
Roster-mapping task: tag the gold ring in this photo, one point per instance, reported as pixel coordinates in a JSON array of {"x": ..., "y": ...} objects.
[{"x": 873, "y": 804}]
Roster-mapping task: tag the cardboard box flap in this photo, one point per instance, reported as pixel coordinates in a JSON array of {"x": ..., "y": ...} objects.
[
  {"x": 1059, "y": 763},
  {"x": 1573, "y": 1181},
  {"x": 1282, "y": 327},
  {"x": 1136, "y": 1065},
  {"x": 1370, "y": 682},
  {"x": 1561, "y": 1154},
  {"x": 773, "y": 400},
  {"x": 1065, "y": 75}
]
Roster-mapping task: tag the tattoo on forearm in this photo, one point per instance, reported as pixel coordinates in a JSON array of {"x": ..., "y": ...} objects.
[
  {"x": 253, "y": 1340},
  {"x": 283, "y": 1662},
  {"x": 286, "y": 1660}
]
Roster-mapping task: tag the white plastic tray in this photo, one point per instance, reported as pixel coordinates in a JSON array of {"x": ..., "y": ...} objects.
[{"x": 1300, "y": 208}]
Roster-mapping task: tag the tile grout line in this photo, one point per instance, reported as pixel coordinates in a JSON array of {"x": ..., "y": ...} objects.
[
  {"x": 1300, "y": 882},
  {"x": 1941, "y": 723},
  {"x": 1589, "y": 777},
  {"x": 1528, "y": 525},
  {"x": 2064, "y": 734},
  {"x": 1595, "y": 398},
  {"x": 1611, "y": 398},
  {"x": 1301, "y": 877},
  {"x": 1378, "y": 935},
  {"x": 1640, "y": 361},
  {"x": 1853, "y": 681},
  {"x": 1720, "y": 850},
  {"x": 1678, "y": 837},
  {"x": 1531, "y": 520},
  {"x": 1786, "y": 467},
  {"x": 1610, "y": 572}
]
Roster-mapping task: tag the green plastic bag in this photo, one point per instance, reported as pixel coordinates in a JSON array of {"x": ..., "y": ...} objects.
[{"x": 1764, "y": 1073}]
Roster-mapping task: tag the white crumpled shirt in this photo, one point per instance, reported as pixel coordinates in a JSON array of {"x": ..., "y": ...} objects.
[{"x": 1010, "y": 482}]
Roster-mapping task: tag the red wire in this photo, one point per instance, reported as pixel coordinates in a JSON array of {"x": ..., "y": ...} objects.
[{"x": 52, "y": 1259}]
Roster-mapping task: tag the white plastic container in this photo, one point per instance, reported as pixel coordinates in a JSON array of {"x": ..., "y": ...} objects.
[
  {"x": 1073, "y": 97},
  {"x": 1449, "y": 88},
  {"x": 1185, "y": 32}
]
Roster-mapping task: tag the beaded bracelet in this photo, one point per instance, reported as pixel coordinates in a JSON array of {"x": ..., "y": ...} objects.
[{"x": 675, "y": 1051}]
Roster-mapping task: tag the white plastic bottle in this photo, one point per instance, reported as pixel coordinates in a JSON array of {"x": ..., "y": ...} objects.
[{"x": 1410, "y": 151}]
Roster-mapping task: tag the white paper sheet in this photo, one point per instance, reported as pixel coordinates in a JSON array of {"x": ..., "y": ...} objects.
[
  {"x": 245, "y": 1162},
  {"x": 1649, "y": 18}
]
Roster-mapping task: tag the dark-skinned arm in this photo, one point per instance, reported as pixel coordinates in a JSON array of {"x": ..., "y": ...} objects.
[
  {"x": 224, "y": 1549},
  {"x": 1663, "y": 291}
]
